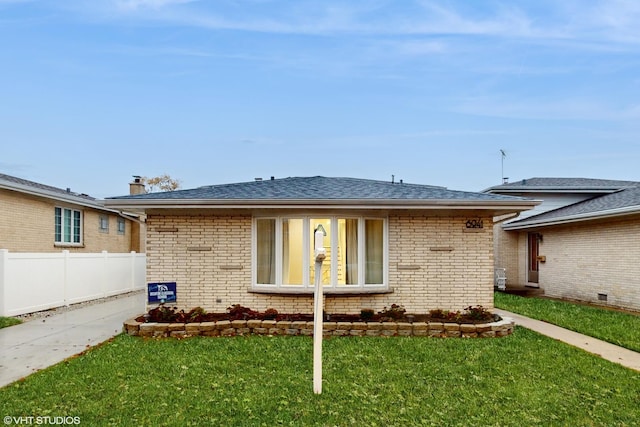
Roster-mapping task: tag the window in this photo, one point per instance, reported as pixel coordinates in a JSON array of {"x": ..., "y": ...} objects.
[
  {"x": 104, "y": 224},
  {"x": 68, "y": 226},
  {"x": 355, "y": 252},
  {"x": 121, "y": 226}
]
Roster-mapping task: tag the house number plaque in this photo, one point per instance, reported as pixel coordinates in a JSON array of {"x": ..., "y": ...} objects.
[{"x": 474, "y": 223}]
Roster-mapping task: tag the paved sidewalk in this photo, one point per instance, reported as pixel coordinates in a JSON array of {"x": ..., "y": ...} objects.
[
  {"x": 613, "y": 353},
  {"x": 40, "y": 343}
]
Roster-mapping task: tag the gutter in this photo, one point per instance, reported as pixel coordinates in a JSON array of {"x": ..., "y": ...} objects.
[{"x": 507, "y": 218}]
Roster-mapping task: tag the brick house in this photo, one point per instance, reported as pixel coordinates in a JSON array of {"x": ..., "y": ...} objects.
[
  {"x": 41, "y": 218},
  {"x": 580, "y": 243},
  {"x": 251, "y": 243}
]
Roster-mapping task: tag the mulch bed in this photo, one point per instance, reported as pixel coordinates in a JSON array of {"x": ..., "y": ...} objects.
[{"x": 163, "y": 314}]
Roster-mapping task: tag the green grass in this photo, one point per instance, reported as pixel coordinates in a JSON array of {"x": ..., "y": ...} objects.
[
  {"x": 521, "y": 380},
  {"x": 5, "y": 322},
  {"x": 616, "y": 327}
]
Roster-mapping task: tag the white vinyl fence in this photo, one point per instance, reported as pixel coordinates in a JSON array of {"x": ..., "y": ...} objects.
[{"x": 31, "y": 282}]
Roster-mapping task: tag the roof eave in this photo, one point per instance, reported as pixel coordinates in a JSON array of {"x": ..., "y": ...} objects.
[
  {"x": 553, "y": 190},
  {"x": 569, "y": 219},
  {"x": 142, "y": 204}
]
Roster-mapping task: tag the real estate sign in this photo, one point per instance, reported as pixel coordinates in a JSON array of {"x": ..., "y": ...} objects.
[{"x": 161, "y": 292}]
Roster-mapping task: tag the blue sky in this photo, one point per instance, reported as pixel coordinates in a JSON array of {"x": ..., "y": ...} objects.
[{"x": 95, "y": 91}]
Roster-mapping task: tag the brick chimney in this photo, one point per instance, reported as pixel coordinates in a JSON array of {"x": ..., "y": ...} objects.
[{"x": 137, "y": 186}]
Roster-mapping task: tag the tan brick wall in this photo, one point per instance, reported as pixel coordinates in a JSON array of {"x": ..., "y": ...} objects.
[
  {"x": 506, "y": 248},
  {"x": 433, "y": 263},
  {"x": 585, "y": 260},
  {"x": 447, "y": 279},
  {"x": 27, "y": 225}
]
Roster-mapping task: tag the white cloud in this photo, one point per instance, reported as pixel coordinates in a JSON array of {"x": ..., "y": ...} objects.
[
  {"x": 569, "y": 109},
  {"x": 547, "y": 21},
  {"x": 147, "y": 4}
]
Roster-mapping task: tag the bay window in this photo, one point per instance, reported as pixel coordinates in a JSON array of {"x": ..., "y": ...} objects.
[{"x": 284, "y": 252}]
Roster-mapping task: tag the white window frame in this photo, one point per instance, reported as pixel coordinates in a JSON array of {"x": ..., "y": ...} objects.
[
  {"x": 306, "y": 287},
  {"x": 61, "y": 241}
]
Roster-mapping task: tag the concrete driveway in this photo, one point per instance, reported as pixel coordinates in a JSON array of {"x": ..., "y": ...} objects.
[{"x": 42, "y": 342}]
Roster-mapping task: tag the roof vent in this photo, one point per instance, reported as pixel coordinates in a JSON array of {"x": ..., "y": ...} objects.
[{"x": 273, "y": 177}]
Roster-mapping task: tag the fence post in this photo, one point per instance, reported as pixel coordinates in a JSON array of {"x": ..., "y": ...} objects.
[
  {"x": 65, "y": 276},
  {"x": 133, "y": 270},
  {"x": 105, "y": 273},
  {"x": 4, "y": 261}
]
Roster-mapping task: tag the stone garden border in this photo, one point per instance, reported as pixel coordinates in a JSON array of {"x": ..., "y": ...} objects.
[{"x": 230, "y": 328}]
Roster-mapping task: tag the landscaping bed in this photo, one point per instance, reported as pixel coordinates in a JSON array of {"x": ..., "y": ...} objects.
[{"x": 474, "y": 322}]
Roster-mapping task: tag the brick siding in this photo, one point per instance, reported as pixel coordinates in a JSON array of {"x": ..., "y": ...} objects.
[
  {"x": 27, "y": 224},
  {"x": 507, "y": 254},
  {"x": 433, "y": 263},
  {"x": 590, "y": 259}
]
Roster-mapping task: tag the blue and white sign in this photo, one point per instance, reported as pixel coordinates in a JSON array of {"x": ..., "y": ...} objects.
[{"x": 161, "y": 292}]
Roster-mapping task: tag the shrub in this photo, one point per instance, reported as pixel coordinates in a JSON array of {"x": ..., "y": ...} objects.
[
  {"x": 395, "y": 312},
  {"x": 478, "y": 313},
  {"x": 270, "y": 314},
  {"x": 238, "y": 312},
  {"x": 196, "y": 314},
  {"x": 366, "y": 314},
  {"x": 450, "y": 316},
  {"x": 162, "y": 314}
]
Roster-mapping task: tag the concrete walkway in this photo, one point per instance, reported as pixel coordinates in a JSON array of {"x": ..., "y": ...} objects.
[
  {"x": 40, "y": 343},
  {"x": 613, "y": 353}
]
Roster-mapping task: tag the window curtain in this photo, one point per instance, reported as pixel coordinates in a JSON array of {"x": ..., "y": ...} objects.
[
  {"x": 351, "y": 250},
  {"x": 374, "y": 230},
  {"x": 266, "y": 251}
]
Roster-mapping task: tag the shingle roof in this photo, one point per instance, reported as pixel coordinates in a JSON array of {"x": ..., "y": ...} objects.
[
  {"x": 624, "y": 201},
  {"x": 320, "y": 188},
  {"x": 25, "y": 186},
  {"x": 563, "y": 184},
  {"x": 12, "y": 181}
]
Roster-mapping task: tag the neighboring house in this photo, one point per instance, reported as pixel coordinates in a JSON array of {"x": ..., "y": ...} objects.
[
  {"x": 582, "y": 242},
  {"x": 40, "y": 218},
  {"x": 251, "y": 243}
]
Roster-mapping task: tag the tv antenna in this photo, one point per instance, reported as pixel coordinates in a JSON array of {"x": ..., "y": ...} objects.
[{"x": 503, "y": 155}]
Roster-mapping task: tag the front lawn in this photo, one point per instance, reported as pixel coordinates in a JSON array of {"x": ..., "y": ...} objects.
[
  {"x": 521, "y": 380},
  {"x": 616, "y": 327},
  {"x": 5, "y": 322}
]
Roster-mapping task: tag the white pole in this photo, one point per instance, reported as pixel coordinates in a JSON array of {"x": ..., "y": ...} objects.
[{"x": 317, "y": 314}]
